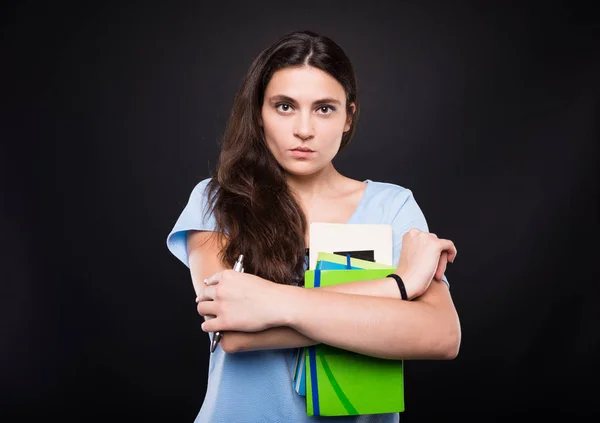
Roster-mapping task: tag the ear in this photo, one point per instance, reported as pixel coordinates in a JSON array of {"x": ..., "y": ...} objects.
[{"x": 350, "y": 117}]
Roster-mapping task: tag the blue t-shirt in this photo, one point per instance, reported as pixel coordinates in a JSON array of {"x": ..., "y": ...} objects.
[{"x": 256, "y": 386}]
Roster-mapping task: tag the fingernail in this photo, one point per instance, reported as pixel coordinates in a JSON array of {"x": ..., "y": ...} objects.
[
  {"x": 197, "y": 299},
  {"x": 206, "y": 281}
]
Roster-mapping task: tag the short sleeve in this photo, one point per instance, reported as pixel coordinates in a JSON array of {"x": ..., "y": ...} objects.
[
  {"x": 408, "y": 215},
  {"x": 195, "y": 216}
]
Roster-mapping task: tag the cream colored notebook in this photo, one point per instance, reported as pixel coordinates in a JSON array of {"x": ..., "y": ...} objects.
[{"x": 366, "y": 241}]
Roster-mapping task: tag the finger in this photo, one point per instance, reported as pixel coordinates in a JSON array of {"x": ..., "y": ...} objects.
[
  {"x": 214, "y": 279},
  {"x": 206, "y": 308},
  {"x": 448, "y": 246},
  {"x": 443, "y": 262},
  {"x": 206, "y": 294},
  {"x": 414, "y": 231},
  {"x": 212, "y": 325},
  {"x": 209, "y": 293}
]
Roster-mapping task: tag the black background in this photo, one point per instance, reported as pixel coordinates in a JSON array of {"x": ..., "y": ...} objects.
[{"x": 112, "y": 113}]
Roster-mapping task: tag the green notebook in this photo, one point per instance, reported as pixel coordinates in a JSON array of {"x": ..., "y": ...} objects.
[
  {"x": 340, "y": 382},
  {"x": 350, "y": 261},
  {"x": 328, "y": 261}
]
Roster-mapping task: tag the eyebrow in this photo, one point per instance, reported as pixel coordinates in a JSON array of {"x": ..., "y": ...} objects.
[{"x": 284, "y": 98}]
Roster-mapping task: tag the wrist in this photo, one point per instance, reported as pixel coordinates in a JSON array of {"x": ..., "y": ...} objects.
[
  {"x": 411, "y": 292},
  {"x": 284, "y": 304}
]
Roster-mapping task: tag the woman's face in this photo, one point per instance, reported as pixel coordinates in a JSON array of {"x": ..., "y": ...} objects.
[{"x": 304, "y": 118}]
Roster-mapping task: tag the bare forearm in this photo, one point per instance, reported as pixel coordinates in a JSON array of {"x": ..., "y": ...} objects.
[
  {"x": 274, "y": 338},
  {"x": 386, "y": 288},
  {"x": 286, "y": 337},
  {"x": 381, "y": 327}
]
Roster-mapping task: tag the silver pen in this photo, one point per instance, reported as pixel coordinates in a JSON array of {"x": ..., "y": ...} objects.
[{"x": 238, "y": 267}]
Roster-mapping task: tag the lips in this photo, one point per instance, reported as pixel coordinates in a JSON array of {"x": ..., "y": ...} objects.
[{"x": 301, "y": 153}]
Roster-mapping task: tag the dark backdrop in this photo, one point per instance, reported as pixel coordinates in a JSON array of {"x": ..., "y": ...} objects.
[{"x": 111, "y": 115}]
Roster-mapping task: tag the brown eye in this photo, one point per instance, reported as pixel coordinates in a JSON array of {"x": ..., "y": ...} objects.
[
  {"x": 283, "y": 107},
  {"x": 325, "y": 110}
]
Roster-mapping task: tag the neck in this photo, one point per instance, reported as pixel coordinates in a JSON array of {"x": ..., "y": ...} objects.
[{"x": 308, "y": 186}]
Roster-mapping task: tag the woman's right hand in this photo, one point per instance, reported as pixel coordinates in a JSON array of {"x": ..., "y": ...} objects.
[{"x": 423, "y": 257}]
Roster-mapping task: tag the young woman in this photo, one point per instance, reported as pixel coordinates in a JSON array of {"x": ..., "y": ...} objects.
[{"x": 297, "y": 107}]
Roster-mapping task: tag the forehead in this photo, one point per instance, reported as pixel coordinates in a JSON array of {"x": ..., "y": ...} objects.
[{"x": 305, "y": 83}]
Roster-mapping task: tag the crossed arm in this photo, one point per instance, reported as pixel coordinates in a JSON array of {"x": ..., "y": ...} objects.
[{"x": 366, "y": 317}]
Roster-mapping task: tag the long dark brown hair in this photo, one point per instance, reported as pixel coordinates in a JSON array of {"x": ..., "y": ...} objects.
[{"x": 253, "y": 206}]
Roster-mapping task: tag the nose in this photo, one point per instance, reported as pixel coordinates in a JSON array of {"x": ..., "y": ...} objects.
[{"x": 303, "y": 127}]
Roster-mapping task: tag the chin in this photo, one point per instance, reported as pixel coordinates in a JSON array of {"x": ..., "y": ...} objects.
[{"x": 301, "y": 169}]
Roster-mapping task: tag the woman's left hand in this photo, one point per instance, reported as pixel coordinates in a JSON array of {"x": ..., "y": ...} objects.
[
  {"x": 239, "y": 302},
  {"x": 423, "y": 258}
]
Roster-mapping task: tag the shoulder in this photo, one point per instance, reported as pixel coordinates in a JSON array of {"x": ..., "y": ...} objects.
[
  {"x": 201, "y": 195},
  {"x": 201, "y": 188},
  {"x": 389, "y": 194},
  {"x": 391, "y": 203},
  {"x": 387, "y": 187},
  {"x": 196, "y": 215}
]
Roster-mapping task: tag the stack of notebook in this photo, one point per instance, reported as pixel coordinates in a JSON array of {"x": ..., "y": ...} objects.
[{"x": 337, "y": 382}]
